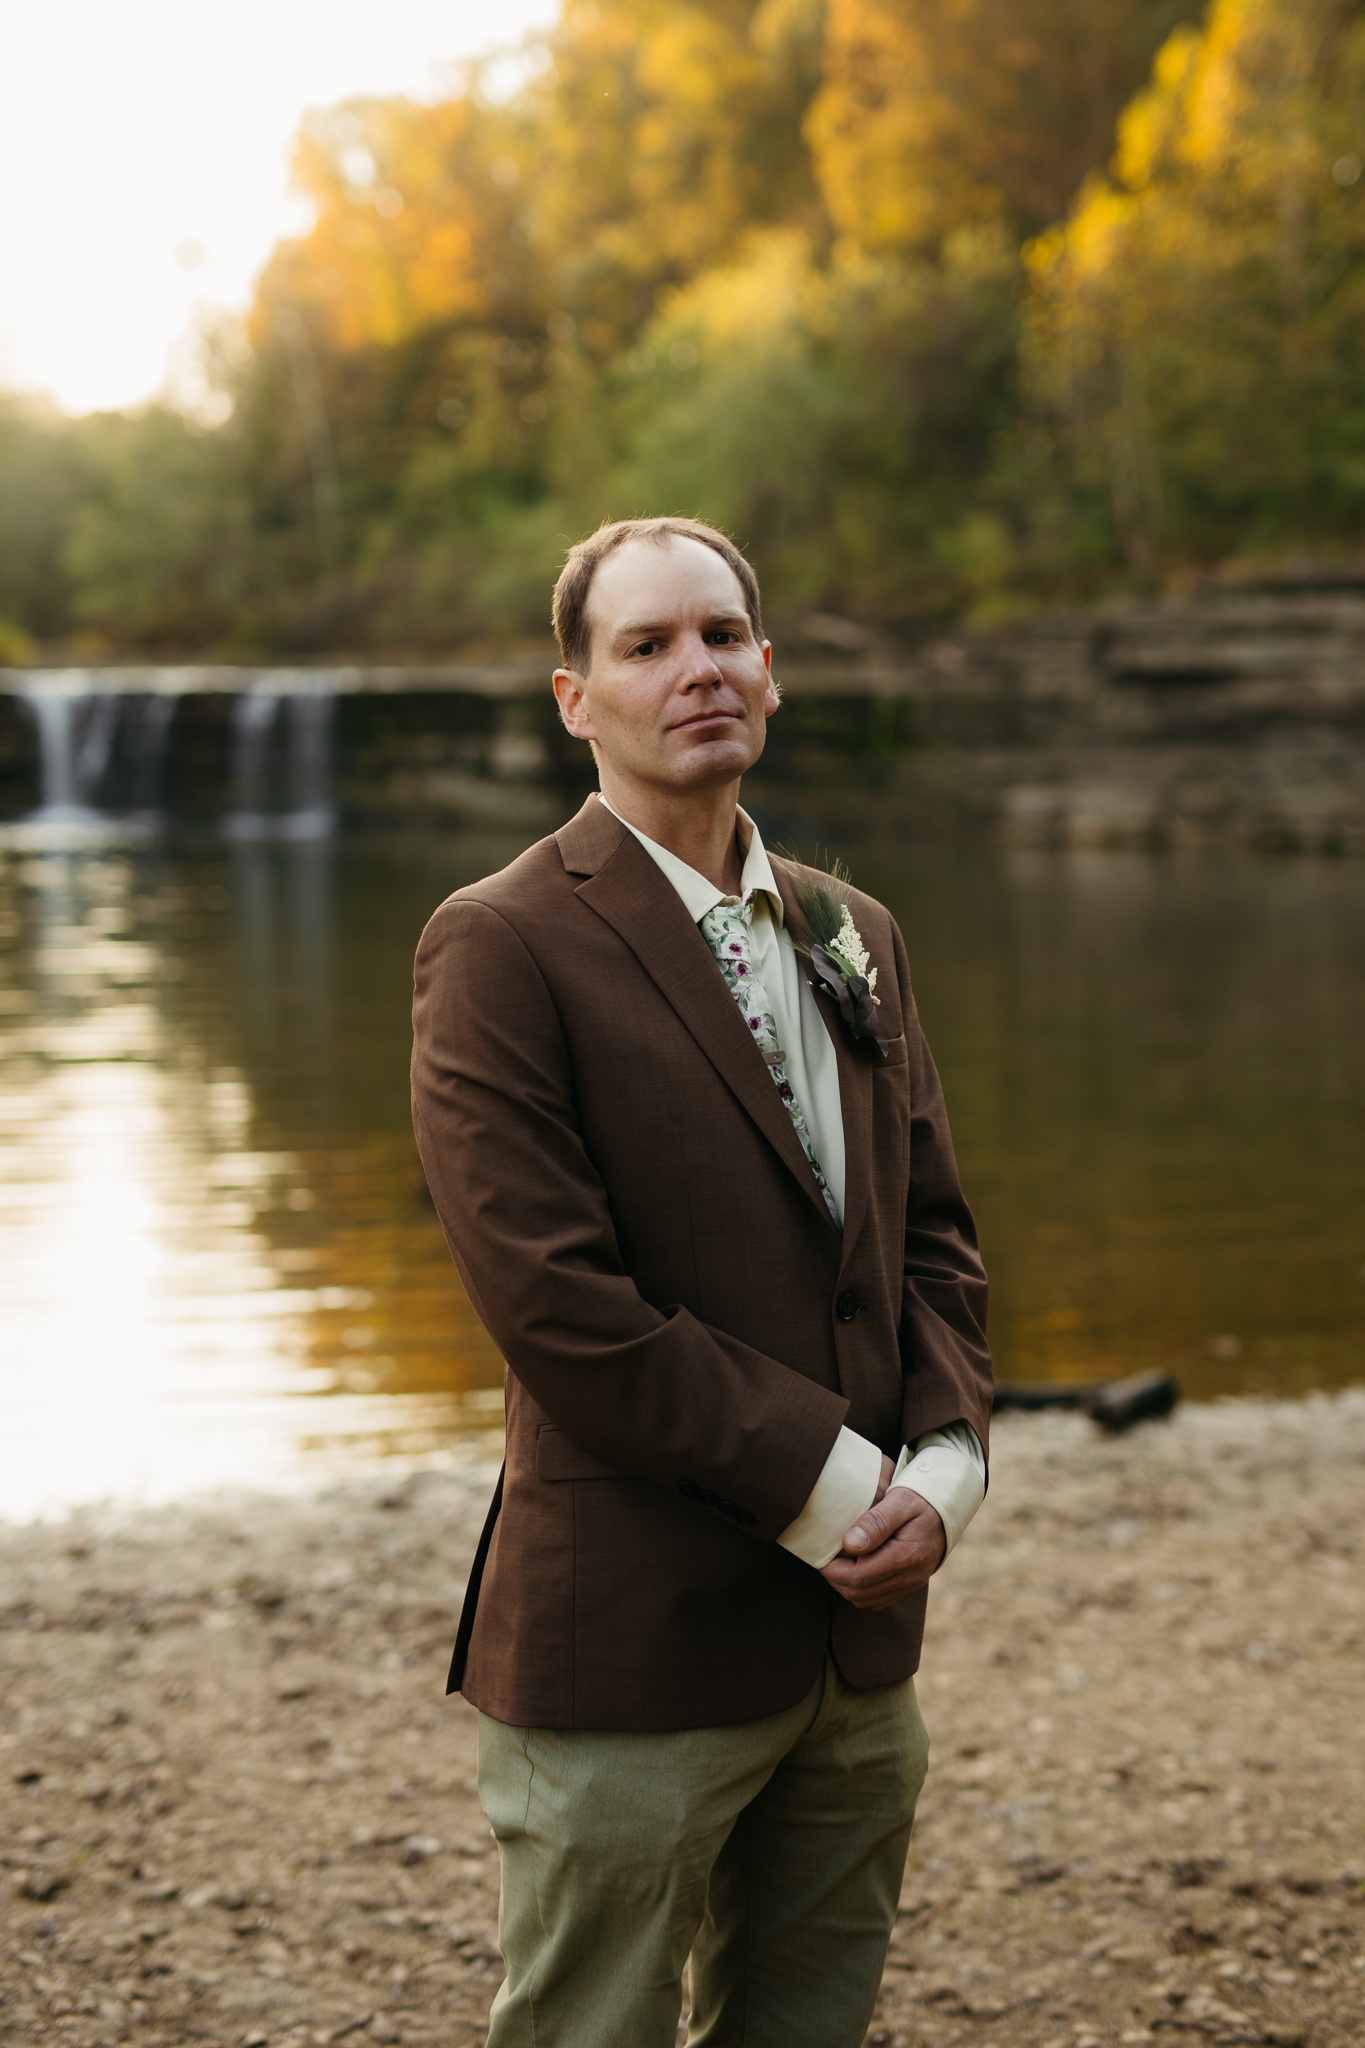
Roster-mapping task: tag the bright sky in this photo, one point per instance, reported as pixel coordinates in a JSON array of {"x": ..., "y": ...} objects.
[{"x": 143, "y": 160}]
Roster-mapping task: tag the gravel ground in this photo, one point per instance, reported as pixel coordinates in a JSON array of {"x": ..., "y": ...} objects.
[{"x": 235, "y": 1808}]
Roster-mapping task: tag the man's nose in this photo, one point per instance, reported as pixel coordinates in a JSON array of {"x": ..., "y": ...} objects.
[{"x": 700, "y": 668}]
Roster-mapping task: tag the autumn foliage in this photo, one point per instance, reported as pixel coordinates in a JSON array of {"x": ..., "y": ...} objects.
[{"x": 936, "y": 304}]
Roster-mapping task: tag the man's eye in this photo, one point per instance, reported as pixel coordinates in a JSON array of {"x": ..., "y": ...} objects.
[
  {"x": 721, "y": 635},
  {"x": 646, "y": 647}
]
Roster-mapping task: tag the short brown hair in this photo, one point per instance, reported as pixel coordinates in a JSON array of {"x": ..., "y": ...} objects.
[{"x": 570, "y": 612}]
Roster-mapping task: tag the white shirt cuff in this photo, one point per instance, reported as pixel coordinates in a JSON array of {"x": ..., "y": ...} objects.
[
  {"x": 948, "y": 1468},
  {"x": 847, "y": 1486}
]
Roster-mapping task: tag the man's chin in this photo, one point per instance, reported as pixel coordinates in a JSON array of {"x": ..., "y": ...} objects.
[{"x": 703, "y": 762}]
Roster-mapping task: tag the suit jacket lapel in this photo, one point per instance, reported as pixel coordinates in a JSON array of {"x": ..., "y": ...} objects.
[
  {"x": 627, "y": 890},
  {"x": 855, "y": 1076}
]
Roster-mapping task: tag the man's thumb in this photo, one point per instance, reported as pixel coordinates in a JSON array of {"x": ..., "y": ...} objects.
[{"x": 869, "y": 1530}]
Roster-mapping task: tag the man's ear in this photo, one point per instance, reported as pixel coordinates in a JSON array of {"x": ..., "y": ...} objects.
[
  {"x": 773, "y": 695},
  {"x": 571, "y": 694}
]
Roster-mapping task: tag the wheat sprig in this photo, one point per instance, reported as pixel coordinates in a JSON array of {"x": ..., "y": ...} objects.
[{"x": 822, "y": 895}]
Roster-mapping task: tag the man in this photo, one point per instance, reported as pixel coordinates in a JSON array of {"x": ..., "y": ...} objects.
[{"x": 709, "y": 1213}]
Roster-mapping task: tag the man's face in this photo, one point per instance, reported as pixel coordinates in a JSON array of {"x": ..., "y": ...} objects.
[{"x": 679, "y": 689}]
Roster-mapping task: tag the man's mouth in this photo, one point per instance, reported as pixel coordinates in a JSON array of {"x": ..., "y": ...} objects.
[{"x": 707, "y": 718}]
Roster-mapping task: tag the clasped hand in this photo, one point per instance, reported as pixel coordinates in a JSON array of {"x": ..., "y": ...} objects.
[{"x": 894, "y": 1547}]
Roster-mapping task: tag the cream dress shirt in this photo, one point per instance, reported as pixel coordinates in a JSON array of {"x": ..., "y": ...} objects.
[{"x": 947, "y": 1467}]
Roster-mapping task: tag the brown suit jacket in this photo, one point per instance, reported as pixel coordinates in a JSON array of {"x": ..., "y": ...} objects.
[{"x": 684, "y": 1328}]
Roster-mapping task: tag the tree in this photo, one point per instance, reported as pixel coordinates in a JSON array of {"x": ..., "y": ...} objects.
[
  {"x": 158, "y": 552},
  {"x": 792, "y": 264},
  {"x": 1195, "y": 328},
  {"x": 45, "y": 472},
  {"x": 939, "y": 114},
  {"x": 837, "y": 418}
]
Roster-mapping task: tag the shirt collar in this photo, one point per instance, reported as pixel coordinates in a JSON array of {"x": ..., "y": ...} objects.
[{"x": 697, "y": 893}]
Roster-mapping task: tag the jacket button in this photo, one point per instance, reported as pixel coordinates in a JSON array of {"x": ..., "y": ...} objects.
[{"x": 846, "y": 1307}]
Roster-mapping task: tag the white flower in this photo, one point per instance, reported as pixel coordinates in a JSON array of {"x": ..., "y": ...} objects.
[{"x": 849, "y": 946}]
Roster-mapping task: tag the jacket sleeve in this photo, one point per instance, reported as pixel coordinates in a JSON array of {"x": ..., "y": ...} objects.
[
  {"x": 943, "y": 1301},
  {"x": 653, "y": 1391}
]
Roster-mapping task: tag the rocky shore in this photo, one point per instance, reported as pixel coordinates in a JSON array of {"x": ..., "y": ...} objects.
[
  {"x": 1227, "y": 717},
  {"x": 235, "y": 1808}
]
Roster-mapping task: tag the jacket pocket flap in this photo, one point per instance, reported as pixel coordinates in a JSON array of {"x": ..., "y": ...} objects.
[{"x": 559, "y": 1457}]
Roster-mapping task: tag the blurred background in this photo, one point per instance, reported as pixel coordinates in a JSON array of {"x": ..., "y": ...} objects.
[
  {"x": 971, "y": 308},
  {"x": 1022, "y": 346}
]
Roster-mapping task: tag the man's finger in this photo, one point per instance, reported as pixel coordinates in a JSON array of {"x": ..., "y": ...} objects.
[
  {"x": 873, "y": 1527},
  {"x": 908, "y": 1552},
  {"x": 906, "y": 1549},
  {"x": 881, "y": 1581}
]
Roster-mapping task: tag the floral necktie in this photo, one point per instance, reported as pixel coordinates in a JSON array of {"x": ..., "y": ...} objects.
[{"x": 726, "y": 929}]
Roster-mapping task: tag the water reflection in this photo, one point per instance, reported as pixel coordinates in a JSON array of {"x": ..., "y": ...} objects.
[
  {"x": 1156, "y": 1069},
  {"x": 209, "y": 1214},
  {"x": 218, "y": 1261}
]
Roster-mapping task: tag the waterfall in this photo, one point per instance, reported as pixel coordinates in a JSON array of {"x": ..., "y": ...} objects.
[
  {"x": 152, "y": 738},
  {"x": 104, "y": 745},
  {"x": 96, "y": 728},
  {"x": 76, "y": 729},
  {"x": 57, "y": 750},
  {"x": 281, "y": 759},
  {"x": 98, "y": 748},
  {"x": 254, "y": 714},
  {"x": 310, "y": 762}
]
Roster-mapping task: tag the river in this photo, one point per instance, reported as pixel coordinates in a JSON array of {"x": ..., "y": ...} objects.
[{"x": 218, "y": 1261}]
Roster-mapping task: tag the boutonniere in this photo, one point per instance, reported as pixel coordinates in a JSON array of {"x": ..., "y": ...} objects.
[{"x": 836, "y": 951}]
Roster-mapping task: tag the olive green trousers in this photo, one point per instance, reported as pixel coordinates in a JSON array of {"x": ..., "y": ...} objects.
[{"x": 771, "y": 1852}]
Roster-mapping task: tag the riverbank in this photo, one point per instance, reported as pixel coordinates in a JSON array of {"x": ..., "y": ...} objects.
[
  {"x": 1224, "y": 718},
  {"x": 235, "y": 1809}
]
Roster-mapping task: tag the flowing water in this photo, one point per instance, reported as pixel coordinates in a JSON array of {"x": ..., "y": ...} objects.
[
  {"x": 103, "y": 748},
  {"x": 218, "y": 1261}
]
